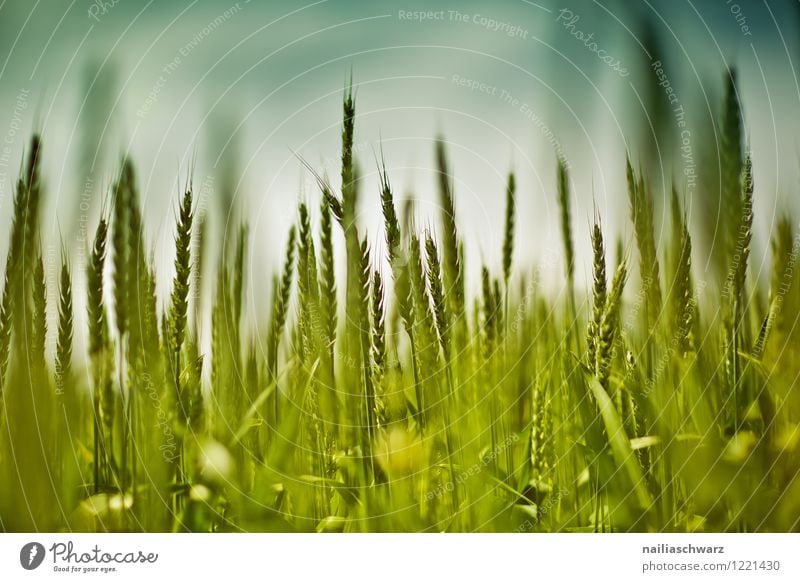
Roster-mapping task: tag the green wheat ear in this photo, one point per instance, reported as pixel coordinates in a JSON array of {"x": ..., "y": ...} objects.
[
  {"x": 308, "y": 288},
  {"x": 609, "y": 326},
  {"x": 328, "y": 303},
  {"x": 98, "y": 332},
  {"x": 366, "y": 339},
  {"x": 6, "y": 309},
  {"x": 682, "y": 300},
  {"x": 351, "y": 343},
  {"x": 280, "y": 303},
  {"x": 490, "y": 313},
  {"x": 566, "y": 223},
  {"x": 101, "y": 359},
  {"x": 598, "y": 294},
  {"x": 179, "y": 303},
  {"x": 378, "y": 347},
  {"x": 398, "y": 257},
  {"x": 33, "y": 201},
  {"x": 390, "y": 221},
  {"x": 542, "y": 458},
  {"x": 451, "y": 264},
  {"x": 237, "y": 290},
  {"x": 121, "y": 246},
  {"x": 440, "y": 313},
  {"x": 175, "y": 325},
  {"x": 732, "y": 163},
  {"x": 744, "y": 238},
  {"x": 508, "y": 239},
  {"x": 424, "y": 332},
  {"x": 199, "y": 265},
  {"x": 65, "y": 331},
  {"x": 348, "y": 130},
  {"x": 39, "y": 292},
  {"x": 22, "y": 250},
  {"x": 498, "y": 299},
  {"x": 12, "y": 278},
  {"x": 641, "y": 207}
]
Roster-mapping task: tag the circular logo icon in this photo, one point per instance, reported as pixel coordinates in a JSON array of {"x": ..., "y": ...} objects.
[{"x": 31, "y": 555}]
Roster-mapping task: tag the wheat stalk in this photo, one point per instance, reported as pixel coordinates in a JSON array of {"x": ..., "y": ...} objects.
[
  {"x": 120, "y": 242},
  {"x": 641, "y": 206},
  {"x": 65, "y": 322},
  {"x": 280, "y": 302},
  {"x": 180, "y": 286},
  {"x": 508, "y": 238},
  {"x": 731, "y": 163},
  {"x": 609, "y": 326},
  {"x": 598, "y": 294},
  {"x": 440, "y": 314},
  {"x": 451, "y": 265},
  {"x": 39, "y": 320},
  {"x": 366, "y": 339},
  {"x": 566, "y": 226},
  {"x": 378, "y": 348},
  {"x": 682, "y": 299},
  {"x": 328, "y": 304}
]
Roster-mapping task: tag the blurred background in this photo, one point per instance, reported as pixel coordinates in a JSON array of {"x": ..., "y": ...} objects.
[{"x": 230, "y": 94}]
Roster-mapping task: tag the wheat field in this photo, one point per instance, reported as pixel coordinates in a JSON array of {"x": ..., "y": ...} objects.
[{"x": 650, "y": 400}]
